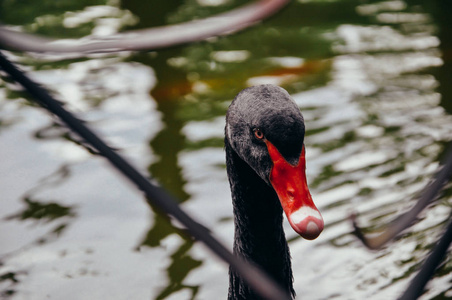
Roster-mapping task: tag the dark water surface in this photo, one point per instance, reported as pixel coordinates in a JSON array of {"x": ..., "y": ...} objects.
[{"x": 372, "y": 79}]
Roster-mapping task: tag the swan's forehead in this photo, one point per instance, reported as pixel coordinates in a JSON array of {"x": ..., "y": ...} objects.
[
  {"x": 255, "y": 106},
  {"x": 265, "y": 113},
  {"x": 278, "y": 118}
]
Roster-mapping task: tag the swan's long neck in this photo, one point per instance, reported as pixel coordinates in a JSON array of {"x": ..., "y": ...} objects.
[{"x": 259, "y": 235}]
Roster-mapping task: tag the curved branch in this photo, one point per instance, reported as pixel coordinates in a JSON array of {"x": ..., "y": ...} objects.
[
  {"x": 428, "y": 195},
  {"x": 146, "y": 39}
]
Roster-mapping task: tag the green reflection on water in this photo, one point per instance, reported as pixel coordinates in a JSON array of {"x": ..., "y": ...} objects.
[
  {"x": 47, "y": 17},
  {"x": 182, "y": 265},
  {"x": 196, "y": 83},
  {"x": 181, "y": 261},
  {"x": 45, "y": 211}
]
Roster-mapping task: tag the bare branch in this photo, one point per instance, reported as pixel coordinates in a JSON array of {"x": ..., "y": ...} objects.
[
  {"x": 428, "y": 195},
  {"x": 146, "y": 39}
]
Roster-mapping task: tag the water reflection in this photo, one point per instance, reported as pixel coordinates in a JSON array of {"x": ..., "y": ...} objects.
[
  {"x": 43, "y": 211},
  {"x": 11, "y": 279},
  {"x": 181, "y": 261},
  {"x": 167, "y": 144},
  {"x": 371, "y": 79}
]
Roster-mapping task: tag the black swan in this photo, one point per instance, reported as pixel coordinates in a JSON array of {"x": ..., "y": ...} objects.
[{"x": 265, "y": 158}]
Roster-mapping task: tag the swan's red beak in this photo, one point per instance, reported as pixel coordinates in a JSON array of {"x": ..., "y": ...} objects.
[{"x": 291, "y": 186}]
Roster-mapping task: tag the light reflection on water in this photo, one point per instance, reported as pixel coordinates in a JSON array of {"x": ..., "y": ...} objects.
[{"x": 73, "y": 229}]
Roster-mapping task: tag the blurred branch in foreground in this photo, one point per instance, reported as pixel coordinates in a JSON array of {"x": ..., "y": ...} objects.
[
  {"x": 429, "y": 267},
  {"x": 155, "y": 195},
  {"x": 428, "y": 195},
  {"x": 146, "y": 39}
]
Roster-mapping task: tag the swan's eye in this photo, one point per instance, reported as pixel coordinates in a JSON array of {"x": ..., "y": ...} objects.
[{"x": 258, "y": 133}]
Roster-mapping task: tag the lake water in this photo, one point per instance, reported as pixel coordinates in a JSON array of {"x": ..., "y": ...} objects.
[{"x": 372, "y": 79}]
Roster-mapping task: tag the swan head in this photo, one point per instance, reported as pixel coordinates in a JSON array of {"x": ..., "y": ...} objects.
[{"x": 265, "y": 127}]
